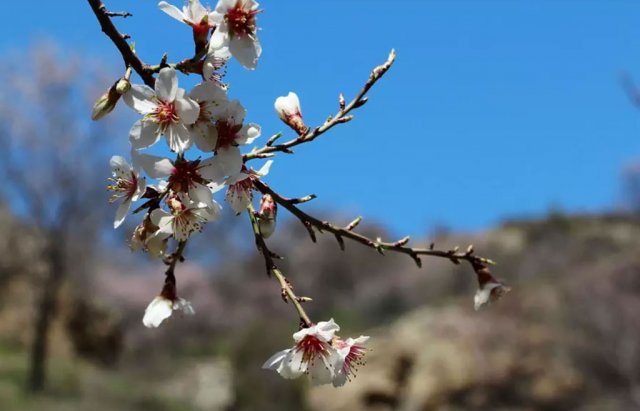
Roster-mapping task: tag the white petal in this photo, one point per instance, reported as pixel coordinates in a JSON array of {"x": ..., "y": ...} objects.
[
  {"x": 325, "y": 330},
  {"x": 167, "y": 85},
  {"x": 141, "y": 98},
  {"x": 163, "y": 220},
  {"x": 275, "y": 360},
  {"x": 178, "y": 137},
  {"x": 200, "y": 193},
  {"x": 154, "y": 166},
  {"x": 196, "y": 11},
  {"x": 264, "y": 170},
  {"x": 246, "y": 50},
  {"x": 205, "y": 135},
  {"x": 118, "y": 162},
  {"x": 238, "y": 199},
  {"x": 173, "y": 11},
  {"x": 220, "y": 38},
  {"x": 143, "y": 134},
  {"x": 321, "y": 371},
  {"x": 230, "y": 160},
  {"x": 248, "y": 134},
  {"x": 157, "y": 311},
  {"x": 140, "y": 190},
  {"x": 121, "y": 213},
  {"x": 183, "y": 305},
  {"x": 483, "y": 295},
  {"x": 211, "y": 169},
  {"x": 208, "y": 91},
  {"x": 188, "y": 110}
]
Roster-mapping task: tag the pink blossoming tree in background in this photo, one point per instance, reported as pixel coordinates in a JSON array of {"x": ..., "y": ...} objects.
[{"x": 206, "y": 129}]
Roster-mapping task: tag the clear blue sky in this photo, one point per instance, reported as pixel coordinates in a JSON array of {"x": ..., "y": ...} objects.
[{"x": 494, "y": 109}]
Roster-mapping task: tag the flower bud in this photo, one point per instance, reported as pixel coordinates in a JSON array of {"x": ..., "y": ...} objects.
[
  {"x": 267, "y": 216},
  {"x": 489, "y": 288},
  {"x": 288, "y": 109},
  {"x": 105, "y": 104},
  {"x": 123, "y": 85}
]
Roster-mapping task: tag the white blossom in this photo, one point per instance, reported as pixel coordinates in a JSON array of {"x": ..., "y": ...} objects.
[
  {"x": 311, "y": 354},
  {"x": 161, "y": 308},
  {"x": 184, "y": 176},
  {"x": 489, "y": 292},
  {"x": 127, "y": 185},
  {"x": 236, "y": 29},
  {"x": 350, "y": 355},
  {"x": 288, "y": 109},
  {"x": 212, "y": 100},
  {"x": 226, "y": 135},
  {"x": 193, "y": 13},
  {"x": 167, "y": 110},
  {"x": 185, "y": 218},
  {"x": 240, "y": 186}
]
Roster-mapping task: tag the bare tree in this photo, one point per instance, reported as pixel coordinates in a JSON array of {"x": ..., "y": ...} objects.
[{"x": 52, "y": 160}]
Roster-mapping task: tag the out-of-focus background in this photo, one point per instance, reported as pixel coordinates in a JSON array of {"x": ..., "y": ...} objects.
[{"x": 503, "y": 124}]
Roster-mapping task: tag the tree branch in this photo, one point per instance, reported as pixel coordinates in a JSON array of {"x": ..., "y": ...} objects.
[
  {"x": 272, "y": 269},
  {"x": 400, "y": 246},
  {"x": 340, "y": 117},
  {"x": 118, "y": 39}
]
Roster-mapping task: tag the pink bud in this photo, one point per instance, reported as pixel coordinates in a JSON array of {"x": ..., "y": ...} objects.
[
  {"x": 267, "y": 216},
  {"x": 288, "y": 109}
]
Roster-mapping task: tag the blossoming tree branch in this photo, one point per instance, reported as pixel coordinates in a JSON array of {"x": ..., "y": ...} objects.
[{"x": 205, "y": 130}]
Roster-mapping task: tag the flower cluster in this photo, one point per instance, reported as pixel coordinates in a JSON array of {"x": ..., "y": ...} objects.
[
  {"x": 181, "y": 198},
  {"x": 205, "y": 132},
  {"x": 320, "y": 354}
]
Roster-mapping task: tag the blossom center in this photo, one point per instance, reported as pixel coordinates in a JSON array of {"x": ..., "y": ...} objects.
[
  {"x": 165, "y": 113},
  {"x": 241, "y": 22},
  {"x": 227, "y": 133},
  {"x": 185, "y": 174},
  {"x": 354, "y": 359},
  {"x": 312, "y": 348},
  {"x": 125, "y": 186}
]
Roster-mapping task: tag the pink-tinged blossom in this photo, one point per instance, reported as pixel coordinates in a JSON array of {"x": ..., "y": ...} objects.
[
  {"x": 288, "y": 109},
  {"x": 240, "y": 186},
  {"x": 166, "y": 110},
  {"x": 351, "y": 354},
  {"x": 212, "y": 100},
  {"x": 126, "y": 185},
  {"x": 237, "y": 29},
  {"x": 184, "y": 176},
  {"x": 162, "y": 306},
  {"x": 489, "y": 288},
  {"x": 226, "y": 135},
  {"x": 311, "y": 354},
  {"x": 195, "y": 15},
  {"x": 267, "y": 216},
  {"x": 185, "y": 218}
]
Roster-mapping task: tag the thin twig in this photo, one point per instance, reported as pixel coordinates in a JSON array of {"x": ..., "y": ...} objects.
[
  {"x": 340, "y": 117},
  {"x": 399, "y": 246},
  {"x": 130, "y": 58},
  {"x": 272, "y": 269}
]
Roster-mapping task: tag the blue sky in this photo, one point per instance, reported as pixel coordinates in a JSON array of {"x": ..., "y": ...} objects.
[{"x": 494, "y": 109}]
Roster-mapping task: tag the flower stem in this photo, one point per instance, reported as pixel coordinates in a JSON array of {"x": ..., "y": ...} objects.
[{"x": 272, "y": 269}]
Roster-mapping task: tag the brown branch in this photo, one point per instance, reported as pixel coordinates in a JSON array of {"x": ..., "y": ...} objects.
[
  {"x": 118, "y": 39},
  {"x": 341, "y": 116},
  {"x": 400, "y": 246},
  {"x": 272, "y": 269}
]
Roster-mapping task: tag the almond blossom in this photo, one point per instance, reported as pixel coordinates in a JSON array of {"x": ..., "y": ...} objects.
[
  {"x": 351, "y": 353},
  {"x": 212, "y": 100},
  {"x": 236, "y": 27},
  {"x": 186, "y": 217},
  {"x": 127, "y": 185},
  {"x": 240, "y": 186},
  {"x": 184, "y": 176},
  {"x": 167, "y": 110},
  {"x": 161, "y": 308},
  {"x": 489, "y": 290},
  {"x": 195, "y": 15},
  {"x": 311, "y": 354},
  {"x": 288, "y": 109},
  {"x": 228, "y": 132},
  {"x": 267, "y": 216}
]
